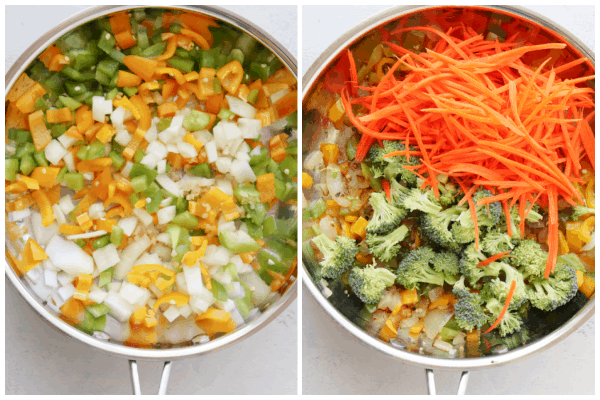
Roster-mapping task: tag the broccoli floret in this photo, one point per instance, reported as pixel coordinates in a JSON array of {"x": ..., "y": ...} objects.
[
  {"x": 419, "y": 200},
  {"x": 514, "y": 224},
  {"x": 470, "y": 313},
  {"x": 448, "y": 194},
  {"x": 386, "y": 247},
  {"x": 460, "y": 289},
  {"x": 378, "y": 163},
  {"x": 579, "y": 211},
  {"x": 397, "y": 192},
  {"x": 446, "y": 263},
  {"x": 572, "y": 260},
  {"x": 415, "y": 269},
  {"x": 338, "y": 255},
  {"x": 463, "y": 230},
  {"x": 495, "y": 242},
  {"x": 468, "y": 265},
  {"x": 510, "y": 323},
  {"x": 529, "y": 257},
  {"x": 437, "y": 227},
  {"x": 487, "y": 214},
  {"x": 498, "y": 288},
  {"x": 394, "y": 167},
  {"x": 369, "y": 283},
  {"x": 385, "y": 216},
  {"x": 557, "y": 290}
]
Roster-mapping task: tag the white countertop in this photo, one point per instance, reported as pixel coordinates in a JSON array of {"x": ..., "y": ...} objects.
[
  {"x": 39, "y": 360},
  {"x": 334, "y": 363}
]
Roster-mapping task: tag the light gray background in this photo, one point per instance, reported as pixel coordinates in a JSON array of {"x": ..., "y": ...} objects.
[
  {"x": 334, "y": 363},
  {"x": 39, "y": 360}
]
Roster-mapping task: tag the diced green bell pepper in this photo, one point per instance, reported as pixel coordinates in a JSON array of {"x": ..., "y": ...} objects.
[
  {"x": 186, "y": 220},
  {"x": 202, "y": 170},
  {"x": 27, "y": 164},
  {"x": 74, "y": 180},
  {"x": 238, "y": 241},
  {"x": 101, "y": 242},
  {"x": 11, "y": 166}
]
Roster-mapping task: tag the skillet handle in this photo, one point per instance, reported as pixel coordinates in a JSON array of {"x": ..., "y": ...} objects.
[
  {"x": 462, "y": 383},
  {"x": 135, "y": 378}
]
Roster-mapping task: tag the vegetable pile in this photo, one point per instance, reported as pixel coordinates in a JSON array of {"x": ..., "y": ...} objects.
[
  {"x": 469, "y": 168},
  {"x": 148, "y": 154}
]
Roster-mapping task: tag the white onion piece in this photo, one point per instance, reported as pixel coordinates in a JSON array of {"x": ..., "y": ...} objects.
[
  {"x": 435, "y": 294},
  {"x": 313, "y": 159},
  {"x": 591, "y": 244},
  {"x": 442, "y": 345},
  {"x": 250, "y": 127},
  {"x": 327, "y": 225},
  {"x": 54, "y": 151},
  {"x": 435, "y": 320},
  {"x": 409, "y": 322},
  {"x": 69, "y": 257},
  {"x": 131, "y": 253},
  {"x": 170, "y": 186},
  {"x": 240, "y": 107}
]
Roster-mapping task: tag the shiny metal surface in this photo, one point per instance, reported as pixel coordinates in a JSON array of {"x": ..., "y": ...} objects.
[
  {"x": 199, "y": 346},
  {"x": 344, "y": 313}
]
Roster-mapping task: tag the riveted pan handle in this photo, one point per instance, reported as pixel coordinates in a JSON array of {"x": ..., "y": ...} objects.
[
  {"x": 135, "y": 378},
  {"x": 462, "y": 383}
]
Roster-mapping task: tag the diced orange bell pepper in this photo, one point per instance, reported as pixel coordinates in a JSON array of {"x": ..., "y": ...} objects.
[
  {"x": 409, "y": 296},
  {"x": 96, "y": 165},
  {"x": 205, "y": 83},
  {"x": 45, "y": 176},
  {"x": 45, "y": 206},
  {"x": 142, "y": 67},
  {"x": 169, "y": 89},
  {"x": 167, "y": 109},
  {"x": 307, "y": 181},
  {"x": 84, "y": 118},
  {"x": 133, "y": 144},
  {"x": 231, "y": 76},
  {"x": 39, "y": 132},
  {"x": 26, "y": 102},
  {"x": 122, "y": 201},
  {"x": 179, "y": 299},
  {"x": 145, "y": 119},
  {"x": 59, "y": 115},
  {"x": 266, "y": 187}
]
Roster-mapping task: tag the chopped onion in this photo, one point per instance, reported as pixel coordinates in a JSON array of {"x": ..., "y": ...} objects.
[
  {"x": 240, "y": 107},
  {"x": 165, "y": 215},
  {"x": 313, "y": 159},
  {"x": 158, "y": 149},
  {"x": 435, "y": 294},
  {"x": 409, "y": 322},
  {"x": 106, "y": 257},
  {"x": 69, "y": 257},
  {"x": 131, "y": 253},
  {"x": 442, "y": 345},
  {"x": 223, "y": 164},
  {"x": 42, "y": 234},
  {"x": 591, "y": 244},
  {"x": 143, "y": 216},
  {"x": 327, "y": 225},
  {"x": 66, "y": 141},
  {"x": 54, "y": 151},
  {"x": 435, "y": 320},
  {"x": 117, "y": 117},
  {"x": 128, "y": 224},
  {"x": 88, "y": 235},
  {"x": 119, "y": 307},
  {"x": 250, "y": 127},
  {"x": 101, "y": 107},
  {"x": 66, "y": 204},
  {"x": 211, "y": 151},
  {"x": 170, "y": 186},
  {"x": 186, "y": 150},
  {"x": 216, "y": 255},
  {"x": 242, "y": 171}
]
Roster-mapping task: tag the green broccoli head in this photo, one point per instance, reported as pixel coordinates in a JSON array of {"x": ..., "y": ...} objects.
[
  {"x": 534, "y": 214},
  {"x": 510, "y": 323},
  {"x": 369, "y": 283},
  {"x": 338, "y": 255},
  {"x": 463, "y": 230},
  {"x": 514, "y": 224},
  {"x": 468, "y": 265},
  {"x": 397, "y": 192},
  {"x": 386, "y": 247},
  {"x": 420, "y": 200},
  {"x": 529, "y": 257},
  {"x": 378, "y": 163},
  {"x": 498, "y": 288},
  {"x": 394, "y": 168},
  {"x": 495, "y": 242},
  {"x": 557, "y": 290},
  {"x": 487, "y": 214},
  {"x": 580, "y": 211},
  {"x": 437, "y": 227},
  {"x": 385, "y": 216},
  {"x": 415, "y": 269},
  {"x": 460, "y": 289},
  {"x": 469, "y": 312},
  {"x": 447, "y": 263},
  {"x": 448, "y": 194}
]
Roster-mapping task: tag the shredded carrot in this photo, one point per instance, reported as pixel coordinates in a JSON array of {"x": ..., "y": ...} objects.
[
  {"x": 483, "y": 114},
  {"x": 509, "y": 296},
  {"x": 494, "y": 258},
  {"x": 386, "y": 187}
]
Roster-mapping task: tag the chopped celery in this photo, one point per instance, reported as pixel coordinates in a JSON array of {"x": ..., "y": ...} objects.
[
  {"x": 181, "y": 204},
  {"x": 254, "y": 230},
  {"x": 154, "y": 203},
  {"x": 164, "y": 124},
  {"x": 101, "y": 242},
  {"x": 117, "y": 160},
  {"x": 10, "y": 169},
  {"x": 61, "y": 174},
  {"x": 40, "y": 158},
  {"x": 292, "y": 148},
  {"x": 96, "y": 150},
  {"x": 236, "y": 54},
  {"x": 253, "y": 96},
  {"x": 130, "y": 91},
  {"x": 40, "y": 104},
  {"x": 141, "y": 169},
  {"x": 289, "y": 167},
  {"x": 285, "y": 191},
  {"x": 82, "y": 152},
  {"x": 25, "y": 149},
  {"x": 106, "y": 275},
  {"x": 19, "y": 135},
  {"x": 246, "y": 44},
  {"x": 238, "y": 241},
  {"x": 183, "y": 53},
  {"x": 74, "y": 180},
  {"x": 139, "y": 183},
  {"x": 351, "y": 147},
  {"x": 116, "y": 236},
  {"x": 269, "y": 226},
  {"x": 196, "y": 121},
  {"x": 91, "y": 324},
  {"x": 218, "y": 290},
  {"x": 108, "y": 67},
  {"x": 202, "y": 170},
  {"x": 245, "y": 303},
  {"x": 27, "y": 165},
  {"x": 186, "y": 220},
  {"x": 225, "y": 114},
  {"x": 80, "y": 243},
  {"x": 98, "y": 310},
  {"x": 112, "y": 94}
]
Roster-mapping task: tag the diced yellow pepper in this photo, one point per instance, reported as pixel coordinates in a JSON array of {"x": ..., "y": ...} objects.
[
  {"x": 359, "y": 227},
  {"x": 409, "y": 296},
  {"x": 307, "y": 181},
  {"x": 439, "y": 303},
  {"x": 588, "y": 287},
  {"x": 337, "y": 111},
  {"x": 84, "y": 282},
  {"x": 350, "y": 218},
  {"x": 579, "y": 278},
  {"x": 193, "y": 141},
  {"x": 232, "y": 216},
  {"x": 84, "y": 221},
  {"x": 214, "y": 197},
  {"x": 473, "y": 336},
  {"x": 388, "y": 331},
  {"x": 418, "y": 327},
  {"x": 138, "y": 279},
  {"x": 265, "y": 184},
  {"x": 105, "y": 133},
  {"x": 563, "y": 246},
  {"x": 330, "y": 152},
  {"x": 138, "y": 316},
  {"x": 162, "y": 283}
]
